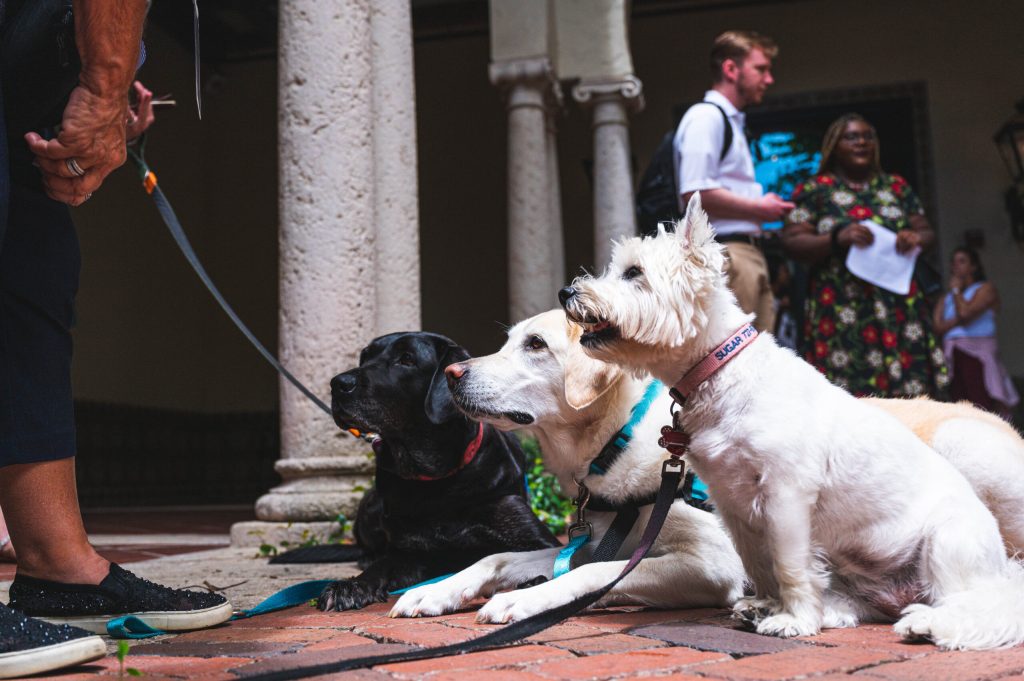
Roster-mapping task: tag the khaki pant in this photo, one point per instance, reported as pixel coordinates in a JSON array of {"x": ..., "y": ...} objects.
[{"x": 747, "y": 272}]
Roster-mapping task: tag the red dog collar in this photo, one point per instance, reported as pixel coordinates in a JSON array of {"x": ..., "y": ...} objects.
[
  {"x": 715, "y": 360},
  {"x": 467, "y": 456}
]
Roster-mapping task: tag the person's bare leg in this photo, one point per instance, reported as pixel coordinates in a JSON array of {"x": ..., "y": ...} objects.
[
  {"x": 7, "y": 554},
  {"x": 41, "y": 506}
]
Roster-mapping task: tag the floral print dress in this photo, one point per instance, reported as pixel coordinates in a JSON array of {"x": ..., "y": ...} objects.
[{"x": 866, "y": 339}]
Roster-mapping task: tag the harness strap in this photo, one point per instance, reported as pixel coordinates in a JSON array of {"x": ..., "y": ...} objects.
[
  {"x": 671, "y": 475},
  {"x": 693, "y": 492},
  {"x": 618, "y": 442},
  {"x": 616, "y": 535}
]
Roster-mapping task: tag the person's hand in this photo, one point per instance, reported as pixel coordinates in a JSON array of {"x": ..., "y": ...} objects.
[
  {"x": 91, "y": 144},
  {"x": 772, "y": 207},
  {"x": 855, "y": 235},
  {"x": 956, "y": 283},
  {"x": 906, "y": 240},
  {"x": 141, "y": 117}
]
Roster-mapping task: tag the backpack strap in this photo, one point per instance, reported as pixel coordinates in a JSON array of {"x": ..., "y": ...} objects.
[{"x": 727, "y": 137}]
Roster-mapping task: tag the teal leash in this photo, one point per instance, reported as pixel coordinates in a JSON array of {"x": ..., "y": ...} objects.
[{"x": 130, "y": 626}]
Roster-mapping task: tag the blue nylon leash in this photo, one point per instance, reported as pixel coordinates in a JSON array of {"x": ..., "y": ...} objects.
[
  {"x": 137, "y": 154},
  {"x": 564, "y": 558},
  {"x": 435, "y": 580},
  {"x": 131, "y": 626}
]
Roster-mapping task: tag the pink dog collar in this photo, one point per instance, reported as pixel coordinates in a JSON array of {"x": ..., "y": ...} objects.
[{"x": 715, "y": 360}]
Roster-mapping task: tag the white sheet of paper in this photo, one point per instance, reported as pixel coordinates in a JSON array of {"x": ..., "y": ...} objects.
[{"x": 880, "y": 263}]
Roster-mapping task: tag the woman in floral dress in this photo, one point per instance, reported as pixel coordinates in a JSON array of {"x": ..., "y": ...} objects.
[{"x": 864, "y": 338}]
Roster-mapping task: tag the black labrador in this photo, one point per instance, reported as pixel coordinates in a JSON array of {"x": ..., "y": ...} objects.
[{"x": 448, "y": 491}]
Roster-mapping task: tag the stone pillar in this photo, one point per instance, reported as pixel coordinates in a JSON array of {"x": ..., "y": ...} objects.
[
  {"x": 556, "y": 241},
  {"x": 614, "y": 214},
  {"x": 529, "y": 84},
  {"x": 348, "y": 224},
  {"x": 395, "y": 181}
]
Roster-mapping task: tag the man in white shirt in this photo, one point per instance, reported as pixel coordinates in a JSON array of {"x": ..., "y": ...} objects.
[{"x": 723, "y": 170}]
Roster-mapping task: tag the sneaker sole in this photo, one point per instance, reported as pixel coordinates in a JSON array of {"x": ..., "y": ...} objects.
[
  {"x": 171, "y": 620},
  {"x": 48, "y": 658}
]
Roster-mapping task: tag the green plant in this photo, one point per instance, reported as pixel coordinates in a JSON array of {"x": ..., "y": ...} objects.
[
  {"x": 122, "y": 652},
  {"x": 546, "y": 497}
]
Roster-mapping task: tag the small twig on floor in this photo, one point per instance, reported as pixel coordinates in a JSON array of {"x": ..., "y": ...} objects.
[{"x": 213, "y": 587}]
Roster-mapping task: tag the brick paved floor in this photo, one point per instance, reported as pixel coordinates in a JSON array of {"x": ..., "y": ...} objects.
[{"x": 677, "y": 645}]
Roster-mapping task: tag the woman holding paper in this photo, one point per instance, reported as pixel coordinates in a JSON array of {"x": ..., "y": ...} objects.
[
  {"x": 966, "y": 317},
  {"x": 871, "y": 338}
]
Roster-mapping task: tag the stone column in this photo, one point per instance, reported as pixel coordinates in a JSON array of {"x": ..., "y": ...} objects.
[
  {"x": 556, "y": 241},
  {"x": 529, "y": 84},
  {"x": 395, "y": 180},
  {"x": 348, "y": 223},
  {"x": 614, "y": 214}
]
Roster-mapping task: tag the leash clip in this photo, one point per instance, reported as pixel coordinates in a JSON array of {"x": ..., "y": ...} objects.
[
  {"x": 584, "y": 528},
  {"x": 672, "y": 462},
  {"x": 580, "y": 502}
]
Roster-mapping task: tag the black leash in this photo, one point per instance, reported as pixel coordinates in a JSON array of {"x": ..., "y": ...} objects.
[
  {"x": 137, "y": 153},
  {"x": 671, "y": 475}
]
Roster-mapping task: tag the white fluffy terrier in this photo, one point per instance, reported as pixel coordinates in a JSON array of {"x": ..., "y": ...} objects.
[
  {"x": 839, "y": 513},
  {"x": 574, "y": 405}
]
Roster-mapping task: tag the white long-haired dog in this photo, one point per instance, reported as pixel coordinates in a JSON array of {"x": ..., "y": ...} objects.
[
  {"x": 574, "y": 405},
  {"x": 839, "y": 512}
]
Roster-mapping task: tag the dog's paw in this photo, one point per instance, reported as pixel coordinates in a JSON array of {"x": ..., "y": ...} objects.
[
  {"x": 916, "y": 623},
  {"x": 839, "y": 614},
  {"x": 350, "y": 594},
  {"x": 785, "y": 625},
  {"x": 512, "y": 606},
  {"x": 750, "y": 611},
  {"x": 433, "y": 599}
]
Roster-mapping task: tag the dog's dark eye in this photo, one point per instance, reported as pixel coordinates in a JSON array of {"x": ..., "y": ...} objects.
[
  {"x": 632, "y": 273},
  {"x": 407, "y": 360},
  {"x": 536, "y": 343}
]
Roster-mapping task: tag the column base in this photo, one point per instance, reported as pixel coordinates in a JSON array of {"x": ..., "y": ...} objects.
[{"x": 317, "y": 489}]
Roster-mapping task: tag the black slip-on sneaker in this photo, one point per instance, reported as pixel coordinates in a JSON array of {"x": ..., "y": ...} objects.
[
  {"x": 120, "y": 593},
  {"x": 31, "y": 646}
]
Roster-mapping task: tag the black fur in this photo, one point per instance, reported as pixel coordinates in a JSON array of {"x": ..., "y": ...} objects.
[{"x": 411, "y": 530}]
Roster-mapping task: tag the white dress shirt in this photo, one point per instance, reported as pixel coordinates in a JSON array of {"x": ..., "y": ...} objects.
[{"x": 696, "y": 149}]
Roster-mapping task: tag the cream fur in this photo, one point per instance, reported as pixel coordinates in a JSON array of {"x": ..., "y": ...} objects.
[
  {"x": 839, "y": 512},
  {"x": 577, "y": 404}
]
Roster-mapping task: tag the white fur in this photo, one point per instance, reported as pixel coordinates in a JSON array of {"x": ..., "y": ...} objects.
[
  {"x": 828, "y": 499},
  {"x": 577, "y": 404}
]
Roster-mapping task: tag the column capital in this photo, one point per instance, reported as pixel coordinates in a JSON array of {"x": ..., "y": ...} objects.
[
  {"x": 629, "y": 89},
  {"x": 533, "y": 72}
]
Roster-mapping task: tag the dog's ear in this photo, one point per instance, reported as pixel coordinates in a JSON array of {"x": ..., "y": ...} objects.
[
  {"x": 586, "y": 378},
  {"x": 439, "y": 405},
  {"x": 696, "y": 230}
]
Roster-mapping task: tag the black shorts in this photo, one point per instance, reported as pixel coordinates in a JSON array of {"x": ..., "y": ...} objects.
[
  {"x": 39, "y": 257},
  {"x": 39, "y": 268}
]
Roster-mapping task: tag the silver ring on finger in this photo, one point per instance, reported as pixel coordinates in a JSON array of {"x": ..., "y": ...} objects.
[
  {"x": 87, "y": 197},
  {"x": 74, "y": 168}
]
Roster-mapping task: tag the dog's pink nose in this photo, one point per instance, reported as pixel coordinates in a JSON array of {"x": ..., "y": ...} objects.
[{"x": 455, "y": 371}]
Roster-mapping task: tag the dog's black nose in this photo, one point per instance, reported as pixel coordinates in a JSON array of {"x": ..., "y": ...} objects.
[
  {"x": 566, "y": 294},
  {"x": 343, "y": 383}
]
